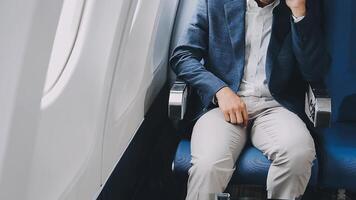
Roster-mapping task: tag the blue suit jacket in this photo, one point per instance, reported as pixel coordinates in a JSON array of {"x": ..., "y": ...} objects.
[{"x": 211, "y": 53}]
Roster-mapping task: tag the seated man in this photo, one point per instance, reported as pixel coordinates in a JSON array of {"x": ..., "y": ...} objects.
[{"x": 258, "y": 55}]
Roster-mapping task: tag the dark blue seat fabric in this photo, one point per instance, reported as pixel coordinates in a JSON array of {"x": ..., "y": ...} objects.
[
  {"x": 182, "y": 159},
  {"x": 337, "y": 145},
  {"x": 338, "y": 156},
  {"x": 340, "y": 28},
  {"x": 252, "y": 166}
]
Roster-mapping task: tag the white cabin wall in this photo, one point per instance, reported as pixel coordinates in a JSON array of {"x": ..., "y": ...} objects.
[
  {"x": 68, "y": 154},
  {"x": 27, "y": 32},
  {"x": 140, "y": 74},
  {"x": 64, "y": 143}
]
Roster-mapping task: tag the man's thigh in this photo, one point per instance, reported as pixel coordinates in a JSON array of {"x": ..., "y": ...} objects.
[
  {"x": 278, "y": 130},
  {"x": 213, "y": 138}
]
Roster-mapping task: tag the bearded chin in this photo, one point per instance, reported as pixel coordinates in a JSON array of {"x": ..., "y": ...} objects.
[{"x": 264, "y": 2}]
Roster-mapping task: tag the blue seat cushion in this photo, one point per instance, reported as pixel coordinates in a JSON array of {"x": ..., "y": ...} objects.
[
  {"x": 252, "y": 166},
  {"x": 338, "y": 156}
]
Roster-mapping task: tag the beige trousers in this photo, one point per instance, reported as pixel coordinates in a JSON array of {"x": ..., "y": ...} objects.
[{"x": 280, "y": 134}]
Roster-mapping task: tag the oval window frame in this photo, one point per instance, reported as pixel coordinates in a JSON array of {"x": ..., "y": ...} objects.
[{"x": 66, "y": 36}]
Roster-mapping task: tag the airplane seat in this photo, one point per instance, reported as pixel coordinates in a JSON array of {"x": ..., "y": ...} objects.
[
  {"x": 337, "y": 145},
  {"x": 338, "y": 156},
  {"x": 252, "y": 164}
]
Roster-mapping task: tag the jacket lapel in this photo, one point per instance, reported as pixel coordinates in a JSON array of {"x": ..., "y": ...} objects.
[
  {"x": 235, "y": 16},
  {"x": 280, "y": 29}
]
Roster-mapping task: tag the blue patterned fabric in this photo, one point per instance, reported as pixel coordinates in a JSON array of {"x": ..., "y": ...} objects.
[
  {"x": 340, "y": 29},
  {"x": 337, "y": 145},
  {"x": 337, "y": 156}
]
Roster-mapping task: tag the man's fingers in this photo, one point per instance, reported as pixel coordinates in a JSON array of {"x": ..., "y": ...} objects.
[
  {"x": 245, "y": 116},
  {"x": 239, "y": 118},
  {"x": 227, "y": 117},
  {"x": 232, "y": 118}
]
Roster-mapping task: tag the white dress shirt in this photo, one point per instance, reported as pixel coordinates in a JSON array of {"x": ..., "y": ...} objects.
[{"x": 258, "y": 27}]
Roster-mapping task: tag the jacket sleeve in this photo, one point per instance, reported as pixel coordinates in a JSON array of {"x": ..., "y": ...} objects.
[
  {"x": 309, "y": 45},
  {"x": 189, "y": 52}
]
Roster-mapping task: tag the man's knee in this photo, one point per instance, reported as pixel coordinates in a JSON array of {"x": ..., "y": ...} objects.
[
  {"x": 297, "y": 161},
  {"x": 212, "y": 119},
  {"x": 299, "y": 150},
  {"x": 202, "y": 167},
  {"x": 215, "y": 174},
  {"x": 301, "y": 160},
  {"x": 212, "y": 165}
]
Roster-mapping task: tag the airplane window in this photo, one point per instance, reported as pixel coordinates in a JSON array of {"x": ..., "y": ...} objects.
[{"x": 64, "y": 42}]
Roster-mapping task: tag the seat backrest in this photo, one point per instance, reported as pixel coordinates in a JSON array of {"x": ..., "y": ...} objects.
[
  {"x": 340, "y": 28},
  {"x": 184, "y": 14}
]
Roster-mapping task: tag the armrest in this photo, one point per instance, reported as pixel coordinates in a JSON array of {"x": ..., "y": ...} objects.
[
  {"x": 318, "y": 105},
  {"x": 177, "y": 104}
]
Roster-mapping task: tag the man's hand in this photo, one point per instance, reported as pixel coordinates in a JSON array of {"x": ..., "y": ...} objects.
[
  {"x": 298, "y": 7},
  {"x": 232, "y": 106}
]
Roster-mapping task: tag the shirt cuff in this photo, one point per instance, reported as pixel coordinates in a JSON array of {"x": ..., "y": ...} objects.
[
  {"x": 214, "y": 100},
  {"x": 297, "y": 19}
]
